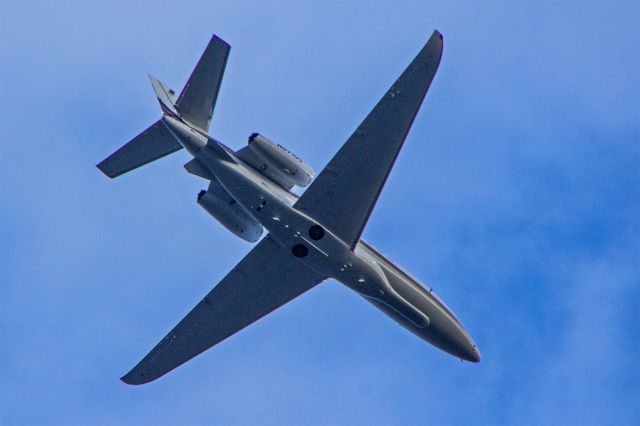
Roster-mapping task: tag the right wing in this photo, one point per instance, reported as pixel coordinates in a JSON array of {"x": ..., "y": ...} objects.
[
  {"x": 345, "y": 192},
  {"x": 267, "y": 278}
]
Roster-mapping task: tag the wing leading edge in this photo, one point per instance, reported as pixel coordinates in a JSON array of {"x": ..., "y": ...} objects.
[
  {"x": 345, "y": 192},
  {"x": 267, "y": 278}
]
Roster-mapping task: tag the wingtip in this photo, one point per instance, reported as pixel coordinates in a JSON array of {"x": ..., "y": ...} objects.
[
  {"x": 437, "y": 41},
  {"x": 217, "y": 38},
  {"x": 126, "y": 381},
  {"x": 140, "y": 375},
  {"x": 103, "y": 168},
  {"x": 133, "y": 379}
]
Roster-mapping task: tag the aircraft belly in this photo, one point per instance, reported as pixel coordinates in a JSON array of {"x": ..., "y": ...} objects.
[
  {"x": 362, "y": 270},
  {"x": 444, "y": 330}
]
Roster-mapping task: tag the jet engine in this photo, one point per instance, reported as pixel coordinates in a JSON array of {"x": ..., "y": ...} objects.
[
  {"x": 276, "y": 162},
  {"x": 219, "y": 204}
]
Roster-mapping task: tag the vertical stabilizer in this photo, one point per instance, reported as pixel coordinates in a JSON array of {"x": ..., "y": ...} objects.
[{"x": 165, "y": 95}]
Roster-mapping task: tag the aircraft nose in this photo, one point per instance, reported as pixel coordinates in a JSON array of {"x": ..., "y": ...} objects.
[
  {"x": 466, "y": 349},
  {"x": 471, "y": 353},
  {"x": 458, "y": 342},
  {"x": 447, "y": 333}
]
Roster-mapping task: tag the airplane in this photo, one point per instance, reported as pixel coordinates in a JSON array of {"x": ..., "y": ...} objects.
[{"x": 310, "y": 238}]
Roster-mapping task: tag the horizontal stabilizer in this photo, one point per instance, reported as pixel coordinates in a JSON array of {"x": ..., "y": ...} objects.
[
  {"x": 153, "y": 143},
  {"x": 198, "y": 98},
  {"x": 197, "y": 167}
]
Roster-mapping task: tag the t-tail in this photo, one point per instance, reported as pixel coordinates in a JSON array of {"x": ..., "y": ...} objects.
[{"x": 194, "y": 107}]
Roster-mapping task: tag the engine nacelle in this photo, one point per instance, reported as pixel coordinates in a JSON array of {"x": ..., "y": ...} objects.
[
  {"x": 219, "y": 204},
  {"x": 276, "y": 162}
]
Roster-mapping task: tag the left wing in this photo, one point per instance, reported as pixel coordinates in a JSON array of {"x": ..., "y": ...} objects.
[
  {"x": 345, "y": 192},
  {"x": 267, "y": 278}
]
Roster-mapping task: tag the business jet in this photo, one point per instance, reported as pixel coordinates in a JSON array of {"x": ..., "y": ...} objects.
[{"x": 309, "y": 238}]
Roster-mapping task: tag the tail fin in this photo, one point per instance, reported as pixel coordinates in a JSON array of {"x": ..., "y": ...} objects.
[
  {"x": 166, "y": 96},
  {"x": 194, "y": 106},
  {"x": 198, "y": 98},
  {"x": 153, "y": 143}
]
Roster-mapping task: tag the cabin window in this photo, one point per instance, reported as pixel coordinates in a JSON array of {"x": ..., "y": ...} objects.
[
  {"x": 316, "y": 232},
  {"x": 300, "y": 250}
]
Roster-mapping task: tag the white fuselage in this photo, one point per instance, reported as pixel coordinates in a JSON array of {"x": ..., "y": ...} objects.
[{"x": 363, "y": 269}]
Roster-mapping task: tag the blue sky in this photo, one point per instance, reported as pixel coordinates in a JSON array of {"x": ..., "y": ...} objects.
[{"x": 516, "y": 197}]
